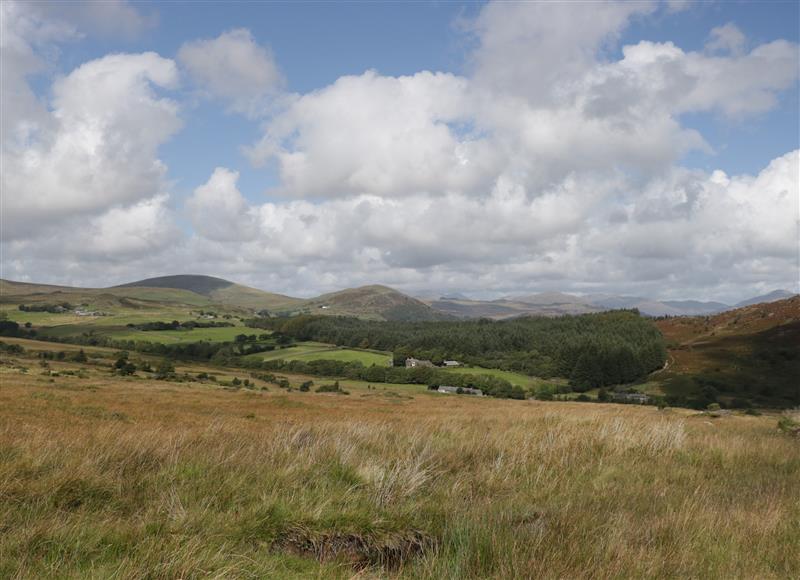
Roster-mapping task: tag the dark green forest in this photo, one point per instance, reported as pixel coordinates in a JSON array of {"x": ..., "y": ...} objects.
[{"x": 592, "y": 350}]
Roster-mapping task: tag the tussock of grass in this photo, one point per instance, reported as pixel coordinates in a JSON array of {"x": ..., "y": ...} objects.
[{"x": 188, "y": 487}]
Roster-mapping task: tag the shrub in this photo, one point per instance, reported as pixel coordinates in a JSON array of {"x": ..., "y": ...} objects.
[
  {"x": 165, "y": 370},
  {"x": 334, "y": 388},
  {"x": 789, "y": 423}
]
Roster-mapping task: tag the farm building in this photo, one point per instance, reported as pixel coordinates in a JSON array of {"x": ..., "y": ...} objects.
[
  {"x": 639, "y": 398},
  {"x": 415, "y": 362},
  {"x": 460, "y": 390}
]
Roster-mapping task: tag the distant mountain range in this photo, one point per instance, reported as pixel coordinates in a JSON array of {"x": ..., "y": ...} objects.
[
  {"x": 559, "y": 303},
  {"x": 373, "y": 302}
]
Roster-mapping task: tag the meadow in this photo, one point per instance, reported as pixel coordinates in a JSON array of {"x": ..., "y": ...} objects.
[
  {"x": 308, "y": 351},
  {"x": 129, "y": 477},
  {"x": 524, "y": 381}
]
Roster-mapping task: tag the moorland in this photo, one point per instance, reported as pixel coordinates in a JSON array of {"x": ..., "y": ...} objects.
[{"x": 154, "y": 431}]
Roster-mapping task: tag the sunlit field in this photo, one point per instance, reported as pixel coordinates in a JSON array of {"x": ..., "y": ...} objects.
[
  {"x": 129, "y": 477},
  {"x": 308, "y": 351}
]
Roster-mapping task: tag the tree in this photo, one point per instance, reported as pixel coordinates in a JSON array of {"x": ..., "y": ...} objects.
[{"x": 165, "y": 370}]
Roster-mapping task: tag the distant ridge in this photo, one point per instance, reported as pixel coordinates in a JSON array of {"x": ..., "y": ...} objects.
[
  {"x": 199, "y": 284},
  {"x": 773, "y": 296},
  {"x": 376, "y": 302}
]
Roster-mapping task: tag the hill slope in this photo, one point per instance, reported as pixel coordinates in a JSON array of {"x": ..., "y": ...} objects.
[
  {"x": 219, "y": 291},
  {"x": 771, "y": 297},
  {"x": 373, "y": 302},
  {"x": 749, "y": 355},
  {"x": 194, "y": 283}
]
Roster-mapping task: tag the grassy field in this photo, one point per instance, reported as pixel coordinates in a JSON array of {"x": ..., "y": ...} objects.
[
  {"x": 104, "y": 476},
  {"x": 308, "y": 351},
  {"x": 221, "y": 334},
  {"x": 119, "y": 317},
  {"x": 520, "y": 379}
]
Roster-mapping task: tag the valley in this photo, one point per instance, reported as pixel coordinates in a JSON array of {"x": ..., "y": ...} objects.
[
  {"x": 214, "y": 470},
  {"x": 159, "y": 428}
]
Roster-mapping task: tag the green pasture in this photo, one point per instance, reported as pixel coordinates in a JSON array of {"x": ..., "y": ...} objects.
[
  {"x": 308, "y": 351},
  {"x": 520, "y": 379},
  {"x": 221, "y": 334}
]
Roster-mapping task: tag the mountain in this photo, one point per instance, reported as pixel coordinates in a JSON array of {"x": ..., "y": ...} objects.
[
  {"x": 560, "y": 303},
  {"x": 220, "y": 291},
  {"x": 695, "y": 307},
  {"x": 748, "y": 355},
  {"x": 194, "y": 283},
  {"x": 496, "y": 310},
  {"x": 771, "y": 297},
  {"x": 374, "y": 302},
  {"x": 551, "y": 298},
  {"x": 455, "y": 296}
]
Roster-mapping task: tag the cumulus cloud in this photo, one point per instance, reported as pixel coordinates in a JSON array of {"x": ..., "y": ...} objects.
[
  {"x": 382, "y": 135},
  {"x": 692, "y": 229},
  {"x": 98, "y": 147},
  {"x": 437, "y": 133},
  {"x": 234, "y": 68},
  {"x": 218, "y": 211},
  {"x": 548, "y": 165},
  {"x": 662, "y": 77},
  {"x": 726, "y": 38},
  {"x": 82, "y": 181},
  {"x": 533, "y": 49}
]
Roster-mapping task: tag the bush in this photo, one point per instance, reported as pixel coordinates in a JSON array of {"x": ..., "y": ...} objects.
[
  {"x": 789, "y": 423},
  {"x": 165, "y": 370},
  {"x": 334, "y": 388}
]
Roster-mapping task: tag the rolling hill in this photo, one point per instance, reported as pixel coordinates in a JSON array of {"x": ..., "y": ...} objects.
[
  {"x": 220, "y": 291},
  {"x": 749, "y": 355},
  {"x": 374, "y": 302},
  {"x": 179, "y": 295}
]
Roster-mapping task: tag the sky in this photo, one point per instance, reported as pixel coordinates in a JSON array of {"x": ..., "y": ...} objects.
[{"x": 493, "y": 149}]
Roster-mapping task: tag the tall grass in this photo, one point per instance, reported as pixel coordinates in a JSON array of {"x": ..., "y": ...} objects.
[{"x": 190, "y": 482}]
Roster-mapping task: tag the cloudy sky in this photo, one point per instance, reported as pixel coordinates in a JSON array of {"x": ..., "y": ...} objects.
[{"x": 648, "y": 148}]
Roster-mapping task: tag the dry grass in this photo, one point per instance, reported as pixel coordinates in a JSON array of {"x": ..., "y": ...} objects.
[{"x": 104, "y": 477}]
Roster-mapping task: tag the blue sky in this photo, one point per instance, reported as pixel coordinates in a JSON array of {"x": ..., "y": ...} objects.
[
  {"x": 315, "y": 43},
  {"x": 304, "y": 150}
]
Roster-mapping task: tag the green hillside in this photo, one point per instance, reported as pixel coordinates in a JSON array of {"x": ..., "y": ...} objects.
[
  {"x": 747, "y": 356},
  {"x": 373, "y": 302}
]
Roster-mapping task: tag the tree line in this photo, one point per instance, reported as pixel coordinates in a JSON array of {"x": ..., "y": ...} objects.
[{"x": 592, "y": 350}]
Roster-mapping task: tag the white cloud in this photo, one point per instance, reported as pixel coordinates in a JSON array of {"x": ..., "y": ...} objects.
[
  {"x": 689, "y": 230},
  {"x": 662, "y": 77},
  {"x": 382, "y": 135},
  {"x": 218, "y": 211},
  {"x": 234, "y": 68},
  {"x": 549, "y": 165},
  {"x": 726, "y": 38},
  {"x": 98, "y": 148},
  {"x": 531, "y": 49},
  {"x": 82, "y": 183}
]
